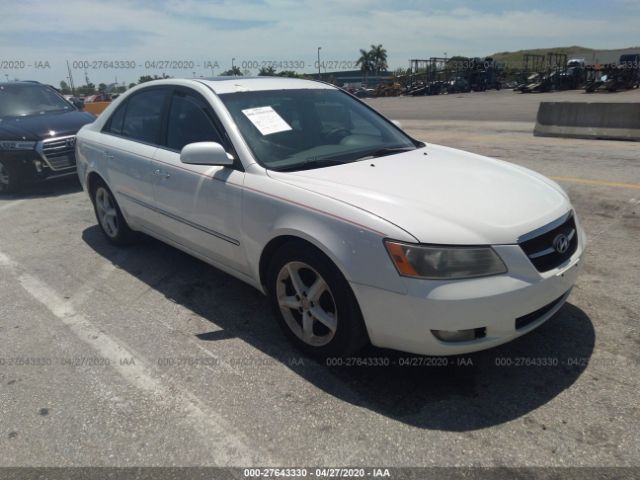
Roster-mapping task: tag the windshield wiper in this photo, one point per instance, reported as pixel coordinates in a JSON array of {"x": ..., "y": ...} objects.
[
  {"x": 311, "y": 163},
  {"x": 326, "y": 162},
  {"x": 387, "y": 151}
]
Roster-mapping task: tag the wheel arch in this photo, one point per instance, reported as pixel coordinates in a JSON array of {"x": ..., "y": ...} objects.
[
  {"x": 300, "y": 238},
  {"x": 93, "y": 179},
  {"x": 281, "y": 239}
]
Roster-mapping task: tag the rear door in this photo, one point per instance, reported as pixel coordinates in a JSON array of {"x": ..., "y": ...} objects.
[
  {"x": 134, "y": 131},
  {"x": 201, "y": 205}
]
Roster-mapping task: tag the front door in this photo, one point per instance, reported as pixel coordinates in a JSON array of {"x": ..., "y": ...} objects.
[{"x": 201, "y": 205}]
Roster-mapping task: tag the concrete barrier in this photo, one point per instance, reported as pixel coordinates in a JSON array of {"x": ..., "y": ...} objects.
[{"x": 611, "y": 121}]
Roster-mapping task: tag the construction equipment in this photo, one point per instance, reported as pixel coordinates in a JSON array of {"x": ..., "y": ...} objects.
[
  {"x": 391, "y": 89},
  {"x": 480, "y": 74},
  {"x": 427, "y": 77},
  {"x": 443, "y": 75},
  {"x": 554, "y": 73},
  {"x": 575, "y": 75},
  {"x": 533, "y": 66},
  {"x": 458, "y": 85},
  {"x": 551, "y": 67},
  {"x": 612, "y": 77}
]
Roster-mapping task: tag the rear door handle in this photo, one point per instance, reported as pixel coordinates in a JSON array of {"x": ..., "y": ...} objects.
[{"x": 161, "y": 173}]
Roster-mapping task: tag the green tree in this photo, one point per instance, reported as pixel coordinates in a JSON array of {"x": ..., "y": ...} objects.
[
  {"x": 267, "y": 71},
  {"x": 366, "y": 63},
  {"x": 64, "y": 88},
  {"x": 148, "y": 78},
  {"x": 457, "y": 58},
  {"x": 378, "y": 57},
  {"x": 102, "y": 87},
  {"x": 233, "y": 72},
  {"x": 287, "y": 73},
  {"x": 88, "y": 89},
  {"x": 131, "y": 85}
]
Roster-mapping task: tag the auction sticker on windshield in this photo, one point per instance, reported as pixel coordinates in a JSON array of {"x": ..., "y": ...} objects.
[{"x": 266, "y": 120}]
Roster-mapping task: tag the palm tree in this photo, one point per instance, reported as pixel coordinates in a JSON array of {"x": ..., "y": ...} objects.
[
  {"x": 233, "y": 72},
  {"x": 366, "y": 63},
  {"x": 379, "y": 58},
  {"x": 267, "y": 71}
]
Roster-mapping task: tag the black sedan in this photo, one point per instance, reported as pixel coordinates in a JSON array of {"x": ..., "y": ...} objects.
[{"x": 37, "y": 134}]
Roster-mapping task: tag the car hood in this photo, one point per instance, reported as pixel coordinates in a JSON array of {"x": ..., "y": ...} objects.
[
  {"x": 442, "y": 195},
  {"x": 38, "y": 127}
]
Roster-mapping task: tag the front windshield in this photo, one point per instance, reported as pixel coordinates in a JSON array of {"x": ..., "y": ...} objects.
[
  {"x": 298, "y": 129},
  {"x": 17, "y": 100}
]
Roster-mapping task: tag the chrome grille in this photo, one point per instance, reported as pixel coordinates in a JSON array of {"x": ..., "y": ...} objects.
[
  {"x": 59, "y": 153},
  {"x": 543, "y": 249}
]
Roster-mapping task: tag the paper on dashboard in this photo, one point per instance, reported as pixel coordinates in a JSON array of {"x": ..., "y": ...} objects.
[{"x": 266, "y": 120}]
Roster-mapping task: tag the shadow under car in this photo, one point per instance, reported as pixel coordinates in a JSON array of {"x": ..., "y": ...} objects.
[{"x": 446, "y": 393}]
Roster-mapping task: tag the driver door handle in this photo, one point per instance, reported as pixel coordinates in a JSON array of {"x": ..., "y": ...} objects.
[{"x": 161, "y": 173}]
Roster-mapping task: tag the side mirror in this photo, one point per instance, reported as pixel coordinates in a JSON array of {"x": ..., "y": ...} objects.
[
  {"x": 205, "y": 153},
  {"x": 397, "y": 123}
]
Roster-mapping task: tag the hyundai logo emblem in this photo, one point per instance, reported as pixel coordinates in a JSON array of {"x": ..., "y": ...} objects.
[
  {"x": 71, "y": 142},
  {"x": 561, "y": 243}
]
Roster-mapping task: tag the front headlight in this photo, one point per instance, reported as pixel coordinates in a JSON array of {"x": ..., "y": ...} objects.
[
  {"x": 17, "y": 145},
  {"x": 439, "y": 262}
]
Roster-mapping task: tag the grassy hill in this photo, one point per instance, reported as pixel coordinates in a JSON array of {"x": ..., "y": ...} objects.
[{"x": 589, "y": 54}]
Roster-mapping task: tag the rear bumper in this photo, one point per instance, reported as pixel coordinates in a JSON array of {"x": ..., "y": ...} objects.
[{"x": 501, "y": 308}]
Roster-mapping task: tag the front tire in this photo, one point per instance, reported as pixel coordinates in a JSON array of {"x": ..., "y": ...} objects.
[
  {"x": 10, "y": 178},
  {"x": 314, "y": 302},
  {"x": 110, "y": 218}
]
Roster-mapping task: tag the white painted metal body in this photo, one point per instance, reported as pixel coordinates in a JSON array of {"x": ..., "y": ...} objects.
[{"x": 432, "y": 195}]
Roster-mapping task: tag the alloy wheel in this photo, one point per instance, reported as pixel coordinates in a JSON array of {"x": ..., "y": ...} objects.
[
  {"x": 107, "y": 213},
  {"x": 307, "y": 304}
]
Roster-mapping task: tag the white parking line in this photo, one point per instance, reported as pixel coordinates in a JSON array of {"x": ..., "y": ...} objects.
[
  {"x": 228, "y": 448},
  {"x": 84, "y": 293},
  {"x": 7, "y": 262}
]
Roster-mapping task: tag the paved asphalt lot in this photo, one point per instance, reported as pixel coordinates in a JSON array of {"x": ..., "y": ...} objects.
[{"x": 146, "y": 356}]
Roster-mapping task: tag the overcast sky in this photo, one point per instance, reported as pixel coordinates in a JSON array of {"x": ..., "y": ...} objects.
[{"x": 212, "y": 31}]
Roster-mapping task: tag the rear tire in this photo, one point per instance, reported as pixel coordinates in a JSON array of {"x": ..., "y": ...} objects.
[
  {"x": 109, "y": 216},
  {"x": 314, "y": 303},
  {"x": 10, "y": 179}
]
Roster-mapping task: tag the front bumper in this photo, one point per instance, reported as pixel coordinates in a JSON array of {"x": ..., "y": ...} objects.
[
  {"x": 492, "y": 305},
  {"x": 31, "y": 166}
]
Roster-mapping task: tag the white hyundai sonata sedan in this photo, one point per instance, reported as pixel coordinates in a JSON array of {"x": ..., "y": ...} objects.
[{"x": 356, "y": 231}]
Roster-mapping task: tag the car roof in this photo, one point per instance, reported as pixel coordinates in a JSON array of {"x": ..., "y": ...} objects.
[
  {"x": 25, "y": 82},
  {"x": 29, "y": 83},
  {"x": 222, "y": 85}
]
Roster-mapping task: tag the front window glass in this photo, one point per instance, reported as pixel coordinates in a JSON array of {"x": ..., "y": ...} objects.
[
  {"x": 22, "y": 99},
  {"x": 299, "y": 129},
  {"x": 189, "y": 123}
]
